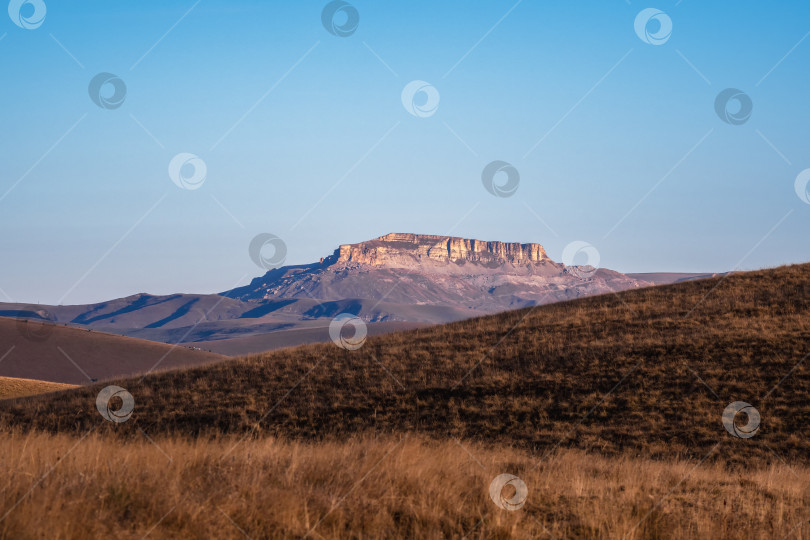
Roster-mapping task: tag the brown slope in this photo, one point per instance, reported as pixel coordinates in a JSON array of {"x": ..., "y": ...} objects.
[
  {"x": 49, "y": 352},
  {"x": 648, "y": 371}
]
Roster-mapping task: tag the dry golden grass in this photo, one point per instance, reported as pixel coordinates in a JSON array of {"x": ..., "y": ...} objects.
[
  {"x": 376, "y": 488},
  {"x": 11, "y": 387}
]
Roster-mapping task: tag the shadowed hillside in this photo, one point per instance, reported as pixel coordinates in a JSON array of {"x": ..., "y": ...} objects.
[
  {"x": 50, "y": 352},
  {"x": 648, "y": 371}
]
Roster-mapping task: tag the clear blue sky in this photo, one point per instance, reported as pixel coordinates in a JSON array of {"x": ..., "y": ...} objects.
[{"x": 88, "y": 211}]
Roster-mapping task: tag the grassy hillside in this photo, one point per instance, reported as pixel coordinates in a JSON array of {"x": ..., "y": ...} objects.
[{"x": 645, "y": 372}]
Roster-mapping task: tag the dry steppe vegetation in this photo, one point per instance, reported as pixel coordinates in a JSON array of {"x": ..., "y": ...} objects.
[
  {"x": 377, "y": 488},
  {"x": 618, "y": 398}
]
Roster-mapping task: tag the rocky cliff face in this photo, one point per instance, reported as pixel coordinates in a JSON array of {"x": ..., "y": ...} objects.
[{"x": 396, "y": 248}]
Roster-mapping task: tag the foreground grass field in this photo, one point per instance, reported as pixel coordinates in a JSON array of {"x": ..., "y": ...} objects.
[{"x": 377, "y": 488}]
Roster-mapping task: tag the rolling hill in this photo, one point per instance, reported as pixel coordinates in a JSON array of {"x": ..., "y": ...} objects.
[
  {"x": 50, "y": 352},
  {"x": 648, "y": 371}
]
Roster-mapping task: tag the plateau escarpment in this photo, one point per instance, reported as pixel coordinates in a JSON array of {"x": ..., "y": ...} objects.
[{"x": 395, "y": 248}]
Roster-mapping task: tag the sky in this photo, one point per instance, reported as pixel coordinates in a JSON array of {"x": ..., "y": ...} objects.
[{"x": 286, "y": 120}]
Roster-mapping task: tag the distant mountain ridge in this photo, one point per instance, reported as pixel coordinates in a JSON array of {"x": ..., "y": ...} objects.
[{"x": 394, "y": 281}]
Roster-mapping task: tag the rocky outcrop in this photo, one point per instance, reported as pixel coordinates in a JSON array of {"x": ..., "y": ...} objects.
[{"x": 395, "y": 247}]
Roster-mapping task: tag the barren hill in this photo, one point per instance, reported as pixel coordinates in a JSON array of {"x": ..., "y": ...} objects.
[{"x": 46, "y": 351}]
